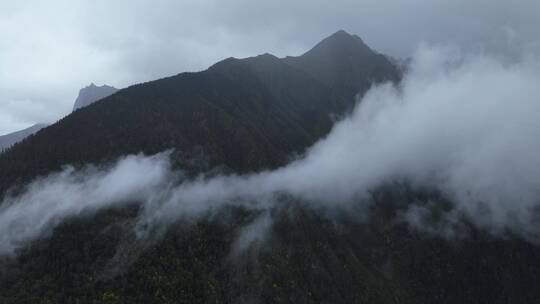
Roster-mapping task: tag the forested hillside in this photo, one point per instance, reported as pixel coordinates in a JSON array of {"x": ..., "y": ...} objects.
[{"x": 247, "y": 115}]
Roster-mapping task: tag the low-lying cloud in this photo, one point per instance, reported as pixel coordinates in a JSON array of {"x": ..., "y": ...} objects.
[{"x": 465, "y": 125}]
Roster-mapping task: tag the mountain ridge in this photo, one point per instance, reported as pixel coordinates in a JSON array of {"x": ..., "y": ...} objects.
[{"x": 260, "y": 99}]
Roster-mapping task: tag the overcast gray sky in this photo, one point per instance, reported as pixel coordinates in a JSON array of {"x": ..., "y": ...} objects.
[{"x": 50, "y": 49}]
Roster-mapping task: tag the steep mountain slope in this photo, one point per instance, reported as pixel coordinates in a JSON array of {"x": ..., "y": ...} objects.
[
  {"x": 92, "y": 93},
  {"x": 10, "y": 139}
]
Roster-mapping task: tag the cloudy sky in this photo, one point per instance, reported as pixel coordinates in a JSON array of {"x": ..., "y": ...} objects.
[{"x": 50, "y": 49}]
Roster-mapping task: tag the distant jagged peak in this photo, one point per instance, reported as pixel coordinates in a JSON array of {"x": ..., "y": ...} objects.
[
  {"x": 93, "y": 85},
  {"x": 91, "y": 94}
]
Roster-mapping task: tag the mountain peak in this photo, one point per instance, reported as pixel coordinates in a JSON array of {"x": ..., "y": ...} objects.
[
  {"x": 342, "y": 34},
  {"x": 345, "y": 60},
  {"x": 340, "y": 43},
  {"x": 92, "y": 93}
]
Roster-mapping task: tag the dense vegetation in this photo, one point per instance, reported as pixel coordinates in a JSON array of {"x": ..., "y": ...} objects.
[{"x": 247, "y": 115}]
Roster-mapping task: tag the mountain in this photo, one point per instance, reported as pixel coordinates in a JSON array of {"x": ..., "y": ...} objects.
[
  {"x": 346, "y": 64},
  {"x": 246, "y": 115},
  {"x": 91, "y": 93},
  {"x": 10, "y": 139},
  {"x": 87, "y": 96}
]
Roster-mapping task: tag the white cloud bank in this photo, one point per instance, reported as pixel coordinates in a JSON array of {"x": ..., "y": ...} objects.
[{"x": 467, "y": 125}]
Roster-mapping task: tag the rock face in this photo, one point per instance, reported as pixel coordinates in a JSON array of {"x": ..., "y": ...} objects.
[
  {"x": 91, "y": 94},
  {"x": 10, "y": 139}
]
